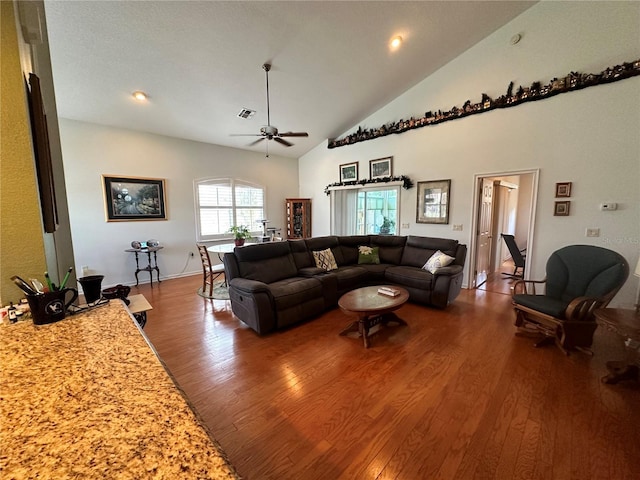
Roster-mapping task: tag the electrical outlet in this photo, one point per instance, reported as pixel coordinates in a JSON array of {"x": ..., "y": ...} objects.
[
  {"x": 457, "y": 227},
  {"x": 405, "y": 225},
  {"x": 592, "y": 232},
  {"x": 85, "y": 270}
]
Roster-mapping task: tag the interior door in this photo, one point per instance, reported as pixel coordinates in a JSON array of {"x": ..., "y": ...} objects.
[{"x": 484, "y": 237}]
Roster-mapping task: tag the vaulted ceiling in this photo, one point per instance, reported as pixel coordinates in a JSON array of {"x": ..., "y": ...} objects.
[{"x": 200, "y": 62}]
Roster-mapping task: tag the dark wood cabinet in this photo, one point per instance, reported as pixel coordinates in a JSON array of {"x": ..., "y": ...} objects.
[{"x": 298, "y": 213}]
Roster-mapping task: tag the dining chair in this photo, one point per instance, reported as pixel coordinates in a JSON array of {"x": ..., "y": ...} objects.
[{"x": 209, "y": 272}]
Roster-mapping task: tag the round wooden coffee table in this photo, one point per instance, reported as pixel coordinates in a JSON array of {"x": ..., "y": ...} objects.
[{"x": 372, "y": 308}]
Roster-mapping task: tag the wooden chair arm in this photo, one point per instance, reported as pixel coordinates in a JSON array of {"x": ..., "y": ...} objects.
[
  {"x": 581, "y": 309},
  {"x": 520, "y": 287}
]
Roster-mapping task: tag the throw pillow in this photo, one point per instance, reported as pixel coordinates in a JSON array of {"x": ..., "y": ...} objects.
[
  {"x": 437, "y": 260},
  {"x": 324, "y": 259},
  {"x": 368, "y": 255}
]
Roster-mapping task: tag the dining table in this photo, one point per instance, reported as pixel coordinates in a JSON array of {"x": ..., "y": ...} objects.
[{"x": 221, "y": 248}]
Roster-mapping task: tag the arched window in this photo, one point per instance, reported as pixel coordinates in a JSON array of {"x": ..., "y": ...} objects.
[{"x": 224, "y": 202}]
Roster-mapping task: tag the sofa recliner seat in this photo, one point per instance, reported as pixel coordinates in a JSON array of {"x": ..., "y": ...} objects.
[{"x": 274, "y": 285}]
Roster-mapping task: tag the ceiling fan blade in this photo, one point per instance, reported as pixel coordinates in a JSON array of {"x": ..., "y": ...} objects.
[
  {"x": 255, "y": 142},
  {"x": 283, "y": 142},
  {"x": 293, "y": 134},
  {"x": 245, "y": 135}
]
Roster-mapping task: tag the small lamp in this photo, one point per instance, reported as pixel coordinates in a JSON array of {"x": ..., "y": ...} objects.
[{"x": 637, "y": 274}]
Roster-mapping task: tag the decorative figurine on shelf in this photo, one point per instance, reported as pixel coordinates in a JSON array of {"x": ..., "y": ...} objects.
[{"x": 240, "y": 233}]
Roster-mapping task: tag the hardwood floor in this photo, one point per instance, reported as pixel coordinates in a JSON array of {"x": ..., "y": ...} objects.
[
  {"x": 454, "y": 395},
  {"x": 497, "y": 282}
]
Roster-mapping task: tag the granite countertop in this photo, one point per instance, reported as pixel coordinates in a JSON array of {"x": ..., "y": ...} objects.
[{"x": 87, "y": 397}]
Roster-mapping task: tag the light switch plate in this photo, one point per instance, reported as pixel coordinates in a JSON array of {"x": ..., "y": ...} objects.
[{"x": 592, "y": 232}]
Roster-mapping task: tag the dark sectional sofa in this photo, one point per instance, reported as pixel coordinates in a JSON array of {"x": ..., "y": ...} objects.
[{"x": 275, "y": 285}]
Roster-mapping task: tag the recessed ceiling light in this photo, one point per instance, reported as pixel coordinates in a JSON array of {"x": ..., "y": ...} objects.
[
  {"x": 395, "y": 42},
  {"x": 139, "y": 95}
]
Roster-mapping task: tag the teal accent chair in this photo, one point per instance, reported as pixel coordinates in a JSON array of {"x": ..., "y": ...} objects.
[{"x": 579, "y": 279}]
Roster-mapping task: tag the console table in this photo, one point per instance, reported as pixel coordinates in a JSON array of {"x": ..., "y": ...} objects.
[{"x": 152, "y": 264}]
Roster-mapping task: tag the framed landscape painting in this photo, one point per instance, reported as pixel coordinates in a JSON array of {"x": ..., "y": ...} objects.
[
  {"x": 349, "y": 172},
  {"x": 433, "y": 201},
  {"x": 380, "y": 168},
  {"x": 131, "y": 198}
]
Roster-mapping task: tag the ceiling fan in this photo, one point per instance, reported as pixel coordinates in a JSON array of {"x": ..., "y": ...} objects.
[{"x": 268, "y": 131}]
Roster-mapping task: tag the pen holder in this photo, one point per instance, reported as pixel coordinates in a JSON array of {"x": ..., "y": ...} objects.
[{"x": 51, "y": 307}]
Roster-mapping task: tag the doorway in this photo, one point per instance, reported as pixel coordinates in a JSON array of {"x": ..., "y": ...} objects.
[{"x": 504, "y": 202}]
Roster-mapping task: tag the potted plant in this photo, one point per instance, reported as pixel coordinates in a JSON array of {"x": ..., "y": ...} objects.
[
  {"x": 240, "y": 233},
  {"x": 386, "y": 226}
]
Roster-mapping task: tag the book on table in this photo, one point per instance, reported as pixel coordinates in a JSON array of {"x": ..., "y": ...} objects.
[{"x": 389, "y": 291}]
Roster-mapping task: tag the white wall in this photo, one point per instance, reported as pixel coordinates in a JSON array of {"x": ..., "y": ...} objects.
[
  {"x": 525, "y": 189},
  {"x": 589, "y": 137},
  {"x": 90, "y": 150}
]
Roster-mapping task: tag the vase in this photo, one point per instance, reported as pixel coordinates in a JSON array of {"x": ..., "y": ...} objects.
[
  {"x": 91, "y": 287},
  {"x": 239, "y": 242}
]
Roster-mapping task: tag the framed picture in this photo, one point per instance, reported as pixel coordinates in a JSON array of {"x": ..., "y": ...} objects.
[
  {"x": 563, "y": 189},
  {"x": 433, "y": 201},
  {"x": 380, "y": 168},
  {"x": 349, "y": 172},
  {"x": 561, "y": 209},
  {"x": 130, "y": 198}
]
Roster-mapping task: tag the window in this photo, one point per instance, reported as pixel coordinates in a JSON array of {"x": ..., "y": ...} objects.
[
  {"x": 377, "y": 211},
  {"x": 224, "y": 202},
  {"x": 362, "y": 211}
]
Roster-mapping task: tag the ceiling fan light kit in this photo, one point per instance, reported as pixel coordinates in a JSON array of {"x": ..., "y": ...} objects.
[{"x": 268, "y": 131}]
